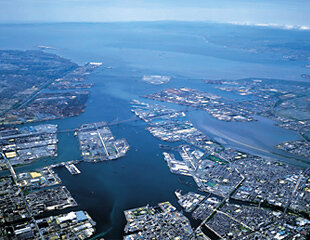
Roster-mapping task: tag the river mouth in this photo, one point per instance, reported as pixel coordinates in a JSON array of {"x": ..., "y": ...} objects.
[{"x": 259, "y": 137}]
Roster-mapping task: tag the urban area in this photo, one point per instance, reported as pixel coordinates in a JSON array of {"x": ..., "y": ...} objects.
[{"x": 238, "y": 195}]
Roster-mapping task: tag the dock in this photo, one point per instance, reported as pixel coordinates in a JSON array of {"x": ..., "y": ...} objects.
[{"x": 72, "y": 168}]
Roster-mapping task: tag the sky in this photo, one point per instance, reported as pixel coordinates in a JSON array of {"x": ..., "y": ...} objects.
[{"x": 278, "y": 12}]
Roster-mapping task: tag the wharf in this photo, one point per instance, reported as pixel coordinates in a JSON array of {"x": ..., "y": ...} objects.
[{"x": 72, "y": 168}]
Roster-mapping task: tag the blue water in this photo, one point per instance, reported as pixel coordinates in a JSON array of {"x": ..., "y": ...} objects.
[{"x": 180, "y": 50}]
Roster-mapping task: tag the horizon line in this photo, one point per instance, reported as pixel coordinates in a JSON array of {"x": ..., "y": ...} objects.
[{"x": 249, "y": 24}]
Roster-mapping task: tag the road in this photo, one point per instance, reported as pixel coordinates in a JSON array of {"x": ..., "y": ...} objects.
[
  {"x": 9, "y": 166},
  {"x": 223, "y": 201},
  {"x": 295, "y": 189}
]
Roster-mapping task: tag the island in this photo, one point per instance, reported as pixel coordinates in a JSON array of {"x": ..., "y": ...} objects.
[
  {"x": 156, "y": 79},
  {"x": 97, "y": 143}
]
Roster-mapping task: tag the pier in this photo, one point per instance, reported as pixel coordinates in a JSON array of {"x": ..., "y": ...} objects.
[{"x": 72, "y": 168}]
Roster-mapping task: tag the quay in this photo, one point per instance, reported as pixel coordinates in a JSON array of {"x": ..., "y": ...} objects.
[{"x": 72, "y": 168}]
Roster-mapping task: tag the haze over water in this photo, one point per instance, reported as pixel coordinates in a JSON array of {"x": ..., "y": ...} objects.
[{"x": 190, "y": 53}]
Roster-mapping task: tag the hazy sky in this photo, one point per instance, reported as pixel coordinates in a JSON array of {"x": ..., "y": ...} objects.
[{"x": 293, "y": 12}]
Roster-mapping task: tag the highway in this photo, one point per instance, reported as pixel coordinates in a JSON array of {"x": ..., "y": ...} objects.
[
  {"x": 134, "y": 118},
  {"x": 102, "y": 142},
  {"x": 295, "y": 189},
  {"x": 223, "y": 201}
]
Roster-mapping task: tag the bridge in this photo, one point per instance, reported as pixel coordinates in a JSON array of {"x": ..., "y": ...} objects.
[{"x": 117, "y": 122}]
